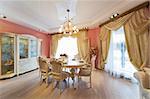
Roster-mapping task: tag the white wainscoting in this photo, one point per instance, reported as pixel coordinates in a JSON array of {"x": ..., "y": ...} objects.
[{"x": 25, "y": 65}]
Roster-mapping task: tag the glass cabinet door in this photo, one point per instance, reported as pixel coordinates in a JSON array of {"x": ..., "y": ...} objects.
[
  {"x": 7, "y": 55},
  {"x": 23, "y": 48},
  {"x": 33, "y": 48}
]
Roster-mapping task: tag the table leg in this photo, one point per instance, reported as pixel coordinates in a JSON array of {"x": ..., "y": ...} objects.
[{"x": 73, "y": 76}]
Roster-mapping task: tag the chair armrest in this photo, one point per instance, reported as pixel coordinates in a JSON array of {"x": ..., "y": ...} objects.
[
  {"x": 141, "y": 77},
  {"x": 146, "y": 69},
  {"x": 87, "y": 66}
]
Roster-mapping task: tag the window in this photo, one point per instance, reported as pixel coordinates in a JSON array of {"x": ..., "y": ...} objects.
[
  {"x": 67, "y": 45},
  {"x": 118, "y": 62}
]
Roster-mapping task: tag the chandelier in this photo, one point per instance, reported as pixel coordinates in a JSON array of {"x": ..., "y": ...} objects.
[{"x": 68, "y": 27}]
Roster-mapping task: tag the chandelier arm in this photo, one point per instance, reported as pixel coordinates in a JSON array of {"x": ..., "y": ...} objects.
[
  {"x": 68, "y": 27},
  {"x": 68, "y": 13},
  {"x": 68, "y": 20}
]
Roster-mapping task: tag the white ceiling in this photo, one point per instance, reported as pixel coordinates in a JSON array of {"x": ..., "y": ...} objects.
[{"x": 48, "y": 15}]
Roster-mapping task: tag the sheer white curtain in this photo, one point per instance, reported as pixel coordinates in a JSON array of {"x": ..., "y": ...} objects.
[
  {"x": 67, "y": 45},
  {"x": 118, "y": 63}
]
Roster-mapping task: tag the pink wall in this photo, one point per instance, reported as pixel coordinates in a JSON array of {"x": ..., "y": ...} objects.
[
  {"x": 6, "y": 26},
  {"x": 93, "y": 38}
]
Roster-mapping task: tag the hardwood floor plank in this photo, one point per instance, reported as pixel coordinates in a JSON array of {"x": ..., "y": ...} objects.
[{"x": 104, "y": 86}]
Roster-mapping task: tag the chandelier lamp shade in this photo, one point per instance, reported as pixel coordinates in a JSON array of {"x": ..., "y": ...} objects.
[{"x": 68, "y": 27}]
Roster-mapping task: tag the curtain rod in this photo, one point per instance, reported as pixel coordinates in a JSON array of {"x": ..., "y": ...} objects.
[{"x": 145, "y": 4}]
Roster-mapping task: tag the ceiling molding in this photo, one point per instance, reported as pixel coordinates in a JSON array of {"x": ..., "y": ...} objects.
[{"x": 42, "y": 15}]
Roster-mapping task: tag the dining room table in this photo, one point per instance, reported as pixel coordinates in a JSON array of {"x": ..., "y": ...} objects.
[{"x": 74, "y": 66}]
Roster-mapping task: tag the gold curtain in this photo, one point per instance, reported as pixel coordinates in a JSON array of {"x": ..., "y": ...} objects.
[
  {"x": 82, "y": 42},
  {"x": 137, "y": 38},
  {"x": 103, "y": 46},
  {"x": 83, "y": 45},
  {"x": 105, "y": 34},
  {"x": 136, "y": 25},
  {"x": 54, "y": 45},
  {"x": 149, "y": 48},
  {"x": 115, "y": 25}
]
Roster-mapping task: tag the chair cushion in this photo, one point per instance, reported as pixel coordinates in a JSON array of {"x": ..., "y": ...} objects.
[
  {"x": 60, "y": 76},
  {"x": 66, "y": 73},
  {"x": 85, "y": 72}
]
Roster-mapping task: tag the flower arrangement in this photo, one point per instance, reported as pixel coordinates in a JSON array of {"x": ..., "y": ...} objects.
[
  {"x": 65, "y": 55},
  {"x": 64, "y": 58},
  {"x": 93, "y": 51}
]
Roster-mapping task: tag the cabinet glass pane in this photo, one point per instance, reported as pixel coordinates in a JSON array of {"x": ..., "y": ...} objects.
[
  {"x": 23, "y": 48},
  {"x": 7, "y": 51},
  {"x": 33, "y": 47}
]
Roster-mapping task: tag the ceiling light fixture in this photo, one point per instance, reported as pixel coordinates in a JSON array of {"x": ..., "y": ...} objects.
[
  {"x": 3, "y": 16},
  {"x": 68, "y": 27},
  {"x": 114, "y": 16}
]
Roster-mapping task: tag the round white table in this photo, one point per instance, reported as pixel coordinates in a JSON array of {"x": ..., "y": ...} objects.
[{"x": 73, "y": 65}]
